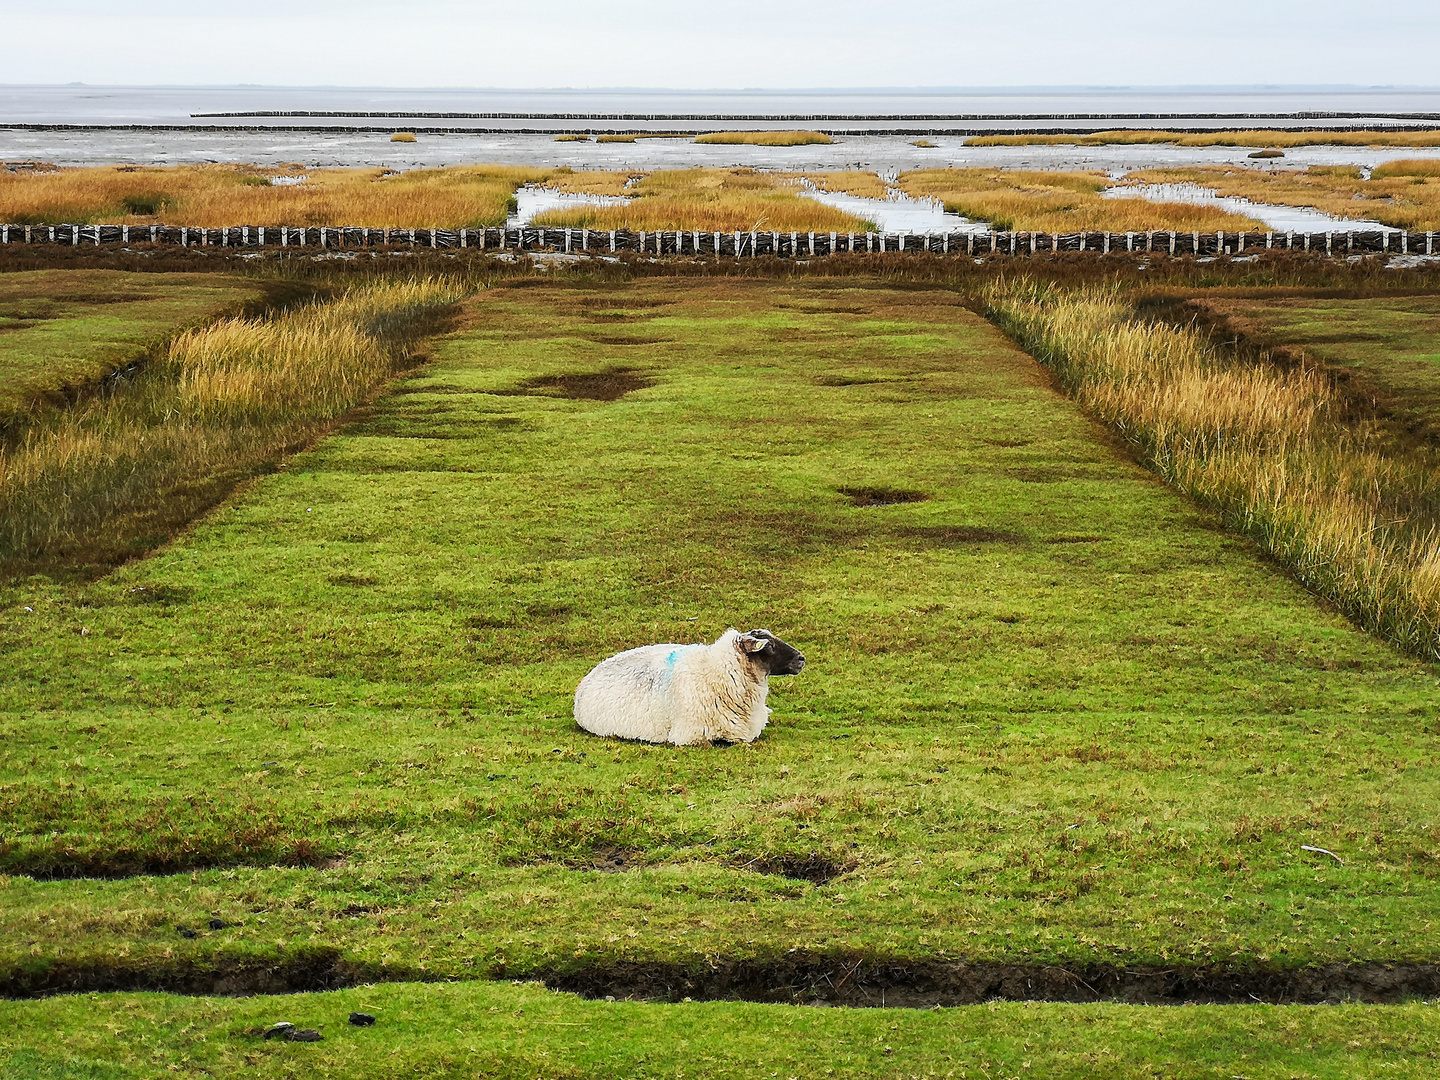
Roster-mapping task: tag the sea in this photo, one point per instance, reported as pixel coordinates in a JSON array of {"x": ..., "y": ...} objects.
[{"x": 872, "y": 129}]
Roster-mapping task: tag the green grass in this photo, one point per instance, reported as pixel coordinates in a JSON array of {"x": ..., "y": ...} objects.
[
  {"x": 1052, "y": 713},
  {"x": 62, "y": 329},
  {"x": 1389, "y": 348},
  {"x": 500, "y": 1030}
]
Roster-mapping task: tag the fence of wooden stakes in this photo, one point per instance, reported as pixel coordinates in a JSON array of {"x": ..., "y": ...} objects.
[{"x": 741, "y": 244}]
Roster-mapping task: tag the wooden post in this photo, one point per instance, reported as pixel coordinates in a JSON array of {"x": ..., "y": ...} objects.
[
  {"x": 1429, "y": 243},
  {"x": 812, "y": 244}
]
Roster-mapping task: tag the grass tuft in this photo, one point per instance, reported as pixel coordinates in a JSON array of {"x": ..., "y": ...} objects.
[
  {"x": 403, "y": 136},
  {"x": 1268, "y": 447},
  {"x": 223, "y": 403},
  {"x": 766, "y": 138},
  {"x": 1059, "y": 202}
]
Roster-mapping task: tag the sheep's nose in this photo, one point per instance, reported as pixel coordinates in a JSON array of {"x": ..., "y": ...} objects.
[{"x": 799, "y": 664}]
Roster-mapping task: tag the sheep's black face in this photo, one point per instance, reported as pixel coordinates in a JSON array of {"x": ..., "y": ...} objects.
[{"x": 774, "y": 655}]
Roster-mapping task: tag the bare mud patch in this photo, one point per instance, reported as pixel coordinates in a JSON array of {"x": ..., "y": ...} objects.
[
  {"x": 881, "y": 496},
  {"x": 612, "y": 384}
]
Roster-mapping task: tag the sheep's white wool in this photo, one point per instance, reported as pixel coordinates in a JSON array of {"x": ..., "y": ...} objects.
[{"x": 682, "y": 694}]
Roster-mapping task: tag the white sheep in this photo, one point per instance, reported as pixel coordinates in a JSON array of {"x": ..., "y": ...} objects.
[{"x": 688, "y": 695}]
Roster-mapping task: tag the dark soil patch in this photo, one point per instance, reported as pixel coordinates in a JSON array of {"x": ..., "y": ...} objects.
[
  {"x": 1076, "y": 540},
  {"x": 302, "y": 970},
  {"x": 612, "y": 860},
  {"x": 159, "y": 594},
  {"x": 609, "y": 339},
  {"x": 881, "y": 496},
  {"x": 853, "y": 380},
  {"x": 814, "y": 867},
  {"x": 611, "y": 384},
  {"x": 959, "y": 535}
]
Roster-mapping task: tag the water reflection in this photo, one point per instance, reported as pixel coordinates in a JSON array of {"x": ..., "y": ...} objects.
[{"x": 897, "y": 212}]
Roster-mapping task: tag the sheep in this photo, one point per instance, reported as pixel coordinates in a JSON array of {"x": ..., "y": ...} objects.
[{"x": 689, "y": 695}]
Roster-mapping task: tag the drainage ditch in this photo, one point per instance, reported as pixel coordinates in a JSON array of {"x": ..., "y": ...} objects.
[{"x": 799, "y": 979}]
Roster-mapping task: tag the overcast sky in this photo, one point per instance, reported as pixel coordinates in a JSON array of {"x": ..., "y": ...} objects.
[{"x": 721, "y": 43}]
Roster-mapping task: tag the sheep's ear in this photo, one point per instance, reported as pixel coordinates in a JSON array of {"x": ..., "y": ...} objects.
[{"x": 751, "y": 642}]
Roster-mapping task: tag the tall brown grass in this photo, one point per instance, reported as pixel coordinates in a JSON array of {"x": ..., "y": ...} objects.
[
  {"x": 867, "y": 185},
  {"x": 1405, "y": 200},
  {"x": 708, "y": 200},
  {"x": 216, "y": 196},
  {"x": 1355, "y": 515},
  {"x": 766, "y": 138},
  {"x": 222, "y": 403},
  {"x": 1059, "y": 202},
  {"x": 1262, "y": 138},
  {"x": 1407, "y": 167}
]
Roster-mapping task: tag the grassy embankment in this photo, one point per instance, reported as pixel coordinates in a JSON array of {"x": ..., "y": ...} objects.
[
  {"x": 1404, "y": 194},
  {"x": 708, "y": 200},
  {"x": 61, "y": 331},
  {"x": 1259, "y": 138},
  {"x": 504, "y": 1032},
  {"x": 1354, "y": 512},
  {"x": 1052, "y": 715},
  {"x": 115, "y": 473}
]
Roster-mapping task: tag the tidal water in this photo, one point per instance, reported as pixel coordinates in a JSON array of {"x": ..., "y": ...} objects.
[{"x": 97, "y": 125}]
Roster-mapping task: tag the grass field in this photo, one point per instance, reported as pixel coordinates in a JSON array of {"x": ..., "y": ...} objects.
[
  {"x": 61, "y": 330},
  {"x": 503, "y": 1031},
  {"x": 1053, "y": 715}
]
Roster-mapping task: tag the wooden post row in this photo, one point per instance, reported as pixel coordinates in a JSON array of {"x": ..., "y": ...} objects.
[{"x": 739, "y": 244}]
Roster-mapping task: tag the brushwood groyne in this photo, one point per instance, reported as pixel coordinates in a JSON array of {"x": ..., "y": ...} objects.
[{"x": 738, "y": 244}]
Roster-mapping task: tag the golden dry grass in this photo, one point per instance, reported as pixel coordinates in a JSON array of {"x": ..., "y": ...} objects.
[
  {"x": 1059, "y": 202},
  {"x": 710, "y": 200},
  {"x": 217, "y": 196},
  {"x": 766, "y": 138},
  {"x": 1354, "y": 516},
  {"x": 1407, "y": 167},
  {"x": 1257, "y": 138},
  {"x": 224, "y": 401},
  {"x": 632, "y": 136},
  {"x": 403, "y": 136},
  {"x": 867, "y": 185},
  {"x": 1405, "y": 200}
]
